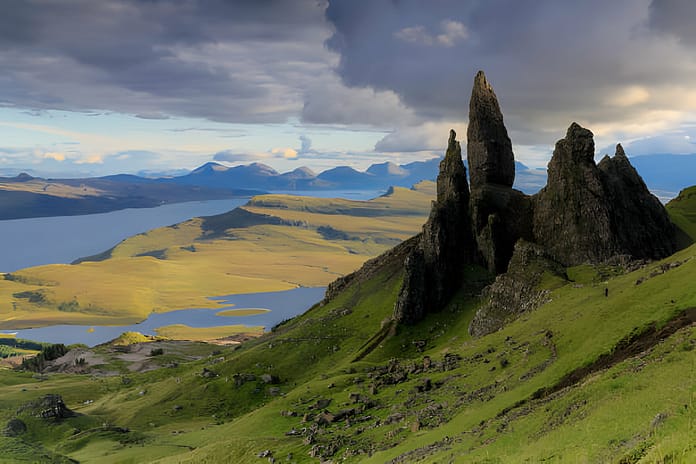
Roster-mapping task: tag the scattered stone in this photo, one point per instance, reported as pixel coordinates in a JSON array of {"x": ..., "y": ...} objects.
[
  {"x": 51, "y": 406},
  {"x": 659, "y": 418},
  {"x": 322, "y": 403},
  {"x": 268, "y": 378},
  {"x": 14, "y": 428}
]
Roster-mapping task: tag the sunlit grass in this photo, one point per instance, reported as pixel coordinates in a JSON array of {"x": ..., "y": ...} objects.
[{"x": 184, "y": 332}]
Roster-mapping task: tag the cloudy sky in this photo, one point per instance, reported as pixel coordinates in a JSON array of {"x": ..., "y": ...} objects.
[{"x": 157, "y": 85}]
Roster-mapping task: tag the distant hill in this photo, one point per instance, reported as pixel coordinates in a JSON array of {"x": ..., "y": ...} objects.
[{"x": 25, "y": 196}]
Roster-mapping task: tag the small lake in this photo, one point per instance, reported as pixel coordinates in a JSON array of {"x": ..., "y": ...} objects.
[{"x": 282, "y": 305}]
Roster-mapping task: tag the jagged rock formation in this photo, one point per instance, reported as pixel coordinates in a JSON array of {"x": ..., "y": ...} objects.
[
  {"x": 434, "y": 268},
  {"x": 640, "y": 222},
  {"x": 499, "y": 214},
  {"x": 571, "y": 214},
  {"x": 587, "y": 213},
  {"x": 489, "y": 149}
]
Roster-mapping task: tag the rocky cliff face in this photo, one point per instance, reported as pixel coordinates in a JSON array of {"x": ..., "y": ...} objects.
[
  {"x": 515, "y": 291},
  {"x": 499, "y": 214},
  {"x": 587, "y": 213},
  {"x": 639, "y": 221},
  {"x": 489, "y": 149},
  {"x": 434, "y": 268},
  {"x": 571, "y": 214}
]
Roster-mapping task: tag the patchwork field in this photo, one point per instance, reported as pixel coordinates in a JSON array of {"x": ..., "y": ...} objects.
[{"x": 276, "y": 242}]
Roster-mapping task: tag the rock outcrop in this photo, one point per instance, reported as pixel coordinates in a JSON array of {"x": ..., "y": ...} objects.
[
  {"x": 489, "y": 149},
  {"x": 434, "y": 269},
  {"x": 517, "y": 290},
  {"x": 499, "y": 214},
  {"x": 587, "y": 213},
  {"x": 571, "y": 214},
  {"x": 590, "y": 213},
  {"x": 640, "y": 223}
]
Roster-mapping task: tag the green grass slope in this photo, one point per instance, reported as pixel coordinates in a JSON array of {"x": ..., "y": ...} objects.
[
  {"x": 682, "y": 210},
  {"x": 584, "y": 378}
]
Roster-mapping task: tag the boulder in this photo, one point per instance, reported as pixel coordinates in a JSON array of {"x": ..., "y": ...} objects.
[{"x": 14, "y": 428}]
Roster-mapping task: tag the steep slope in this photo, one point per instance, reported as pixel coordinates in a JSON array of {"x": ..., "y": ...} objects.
[{"x": 682, "y": 210}]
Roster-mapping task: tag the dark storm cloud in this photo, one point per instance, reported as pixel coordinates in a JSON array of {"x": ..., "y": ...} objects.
[
  {"x": 550, "y": 62},
  {"x": 675, "y": 17},
  {"x": 221, "y": 59}
]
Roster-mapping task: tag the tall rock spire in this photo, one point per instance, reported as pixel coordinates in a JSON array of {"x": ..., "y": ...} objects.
[
  {"x": 489, "y": 150},
  {"x": 500, "y": 215},
  {"x": 434, "y": 269}
]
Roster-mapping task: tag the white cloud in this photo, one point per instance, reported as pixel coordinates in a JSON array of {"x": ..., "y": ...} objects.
[
  {"x": 57, "y": 156},
  {"x": 287, "y": 152},
  {"x": 451, "y": 32},
  {"x": 630, "y": 96}
]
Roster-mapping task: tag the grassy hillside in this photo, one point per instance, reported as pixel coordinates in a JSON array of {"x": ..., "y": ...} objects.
[
  {"x": 682, "y": 210},
  {"x": 584, "y": 378},
  {"x": 277, "y": 242}
]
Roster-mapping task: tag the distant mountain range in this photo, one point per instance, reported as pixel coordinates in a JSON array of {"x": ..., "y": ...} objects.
[
  {"x": 261, "y": 176},
  {"x": 376, "y": 177},
  {"x": 26, "y": 196}
]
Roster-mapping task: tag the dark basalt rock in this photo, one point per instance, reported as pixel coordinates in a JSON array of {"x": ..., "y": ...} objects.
[
  {"x": 589, "y": 213},
  {"x": 50, "y": 407},
  {"x": 14, "y": 428},
  {"x": 499, "y": 214},
  {"x": 489, "y": 149},
  {"x": 515, "y": 291},
  {"x": 640, "y": 222},
  {"x": 434, "y": 268},
  {"x": 572, "y": 218},
  {"x": 585, "y": 214}
]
